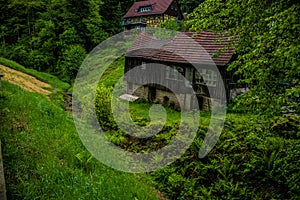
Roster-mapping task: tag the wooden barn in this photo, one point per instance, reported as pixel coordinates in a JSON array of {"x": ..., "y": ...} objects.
[
  {"x": 151, "y": 13},
  {"x": 181, "y": 54}
]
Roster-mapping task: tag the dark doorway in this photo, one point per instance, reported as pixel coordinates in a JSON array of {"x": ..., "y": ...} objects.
[
  {"x": 151, "y": 93},
  {"x": 200, "y": 101}
]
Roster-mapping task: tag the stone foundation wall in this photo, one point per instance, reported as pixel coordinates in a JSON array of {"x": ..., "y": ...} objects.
[{"x": 166, "y": 98}]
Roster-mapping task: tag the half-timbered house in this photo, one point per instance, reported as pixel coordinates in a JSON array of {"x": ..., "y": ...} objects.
[{"x": 151, "y": 13}]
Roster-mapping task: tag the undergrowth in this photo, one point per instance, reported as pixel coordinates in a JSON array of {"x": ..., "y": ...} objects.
[
  {"x": 44, "y": 158},
  {"x": 255, "y": 157}
]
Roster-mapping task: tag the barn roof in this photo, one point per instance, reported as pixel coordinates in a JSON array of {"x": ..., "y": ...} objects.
[
  {"x": 158, "y": 7},
  {"x": 186, "y": 47}
]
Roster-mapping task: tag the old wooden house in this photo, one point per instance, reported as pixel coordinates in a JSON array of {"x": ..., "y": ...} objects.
[
  {"x": 151, "y": 13},
  {"x": 195, "y": 86}
]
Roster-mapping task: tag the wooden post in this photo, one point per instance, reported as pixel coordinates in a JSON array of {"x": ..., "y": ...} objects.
[
  {"x": 2, "y": 180},
  {"x": 1, "y": 75}
]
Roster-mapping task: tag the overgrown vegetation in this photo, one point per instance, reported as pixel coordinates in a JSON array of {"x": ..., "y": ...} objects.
[
  {"x": 250, "y": 161},
  {"x": 44, "y": 158},
  {"x": 266, "y": 41},
  {"x": 254, "y": 158}
]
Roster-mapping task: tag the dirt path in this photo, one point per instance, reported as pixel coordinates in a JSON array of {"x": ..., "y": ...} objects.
[{"x": 24, "y": 81}]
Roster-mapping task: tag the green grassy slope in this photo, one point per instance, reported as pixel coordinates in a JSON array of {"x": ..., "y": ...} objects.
[
  {"x": 44, "y": 158},
  {"x": 48, "y": 78}
]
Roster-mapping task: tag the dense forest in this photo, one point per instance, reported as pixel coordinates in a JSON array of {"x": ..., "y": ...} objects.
[
  {"x": 54, "y": 35},
  {"x": 257, "y": 155}
]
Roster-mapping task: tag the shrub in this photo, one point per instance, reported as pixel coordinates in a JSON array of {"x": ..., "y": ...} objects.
[
  {"x": 141, "y": 101},
  {"x": 103, "y": 107}
]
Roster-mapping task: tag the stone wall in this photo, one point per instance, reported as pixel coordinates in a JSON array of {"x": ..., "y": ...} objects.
[{"x": 166, "y": 98}]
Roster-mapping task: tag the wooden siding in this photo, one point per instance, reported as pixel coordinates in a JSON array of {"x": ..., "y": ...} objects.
[
  {"x": 178, "y": 86},
  {"x": 174, "y": 10}
]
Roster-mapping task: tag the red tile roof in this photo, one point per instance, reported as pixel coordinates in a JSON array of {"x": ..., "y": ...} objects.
[
  {"x": 158, "y": 7},
  {"x": 186, "y": 47}
]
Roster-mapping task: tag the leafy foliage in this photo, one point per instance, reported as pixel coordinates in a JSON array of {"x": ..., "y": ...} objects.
[
  {"x": 45, "y": 35},
  {"x": 172, "y": 25},
  {"x": 254, "y": 158},
  {"x": 265, "y": 37},
  {"x": 103, "y": 106},
  {"x": 70, "y": 61},
  {"x": 248, "y": 162},
  {"x": 187, "y": 6}
]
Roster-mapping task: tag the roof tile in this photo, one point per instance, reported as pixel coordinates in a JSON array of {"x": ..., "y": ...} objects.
[
  {"x": 186, "y": 47},
  {"x": 158, "y": 7}
]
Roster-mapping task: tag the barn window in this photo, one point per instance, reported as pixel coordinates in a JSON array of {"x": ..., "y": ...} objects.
[
  {"x": 143, "y": 65},
  {"x": 206, "y": 76},
  {"x": 174, "y": 73}
]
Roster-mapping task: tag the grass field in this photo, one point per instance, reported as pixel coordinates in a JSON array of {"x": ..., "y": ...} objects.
[{"x": 44, "y": 158}]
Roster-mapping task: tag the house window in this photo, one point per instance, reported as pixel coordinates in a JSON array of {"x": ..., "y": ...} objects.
[
  {"x": 174, "y": 73},
  {"x": 209, "y": 77},
  {"x": 145, "y": 9}
]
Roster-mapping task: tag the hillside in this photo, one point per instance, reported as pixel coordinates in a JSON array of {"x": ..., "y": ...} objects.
[
  {"x": 25, "y": 81},
  {"x": 42, "y": 154},
  {"x": 44, "y": 157}
]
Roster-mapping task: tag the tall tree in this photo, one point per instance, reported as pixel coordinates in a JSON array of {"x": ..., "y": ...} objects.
[
  {"x": 39, "y": 33},
  {"x": 266, "y": 40},
  {"x": 112, "y": 12},
  {"x": 187, "y": 6}
]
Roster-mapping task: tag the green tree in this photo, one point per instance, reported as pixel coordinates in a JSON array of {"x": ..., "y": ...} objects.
[
  {"x": 265, "y": 35},
  {"x": 173, "y": 25},
  {"x": 94, "y": 26},
  {"x": 44, "y": 44},
  {"x": 187, "y": 6},
  {"x": 70, "y": 62},
  {"x": 112, "y": 12}
]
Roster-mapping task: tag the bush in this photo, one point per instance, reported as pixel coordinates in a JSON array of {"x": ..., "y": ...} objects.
[
  {"x": 103, "y": 107},
  {"x": 250, "y": 161},
  {"x": 141, "y": 100}
]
